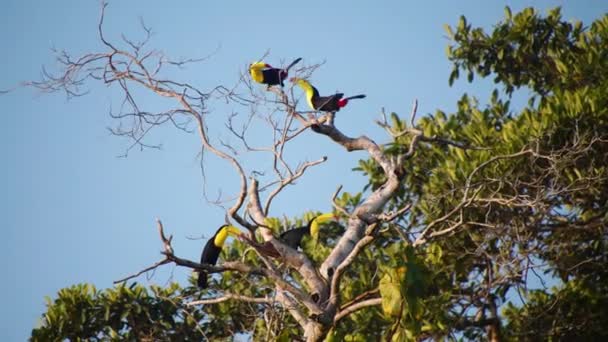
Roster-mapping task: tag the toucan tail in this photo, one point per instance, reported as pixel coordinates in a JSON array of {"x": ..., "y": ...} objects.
[
  {"x": 344, "y": 101},
  {"x": 361, "y": 96},
  {"x": 202, "y": 280},
  {"x": 293, "y": 63},
  {"x": 283, "y": 72}
]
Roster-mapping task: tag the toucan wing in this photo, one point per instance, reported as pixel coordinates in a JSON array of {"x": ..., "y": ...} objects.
[
  {"x": 293, "y": 237},
  {"x": 328, "y": 103},
  {"x": 209, "y": 256},
  {"x": 272, "y": 76}
]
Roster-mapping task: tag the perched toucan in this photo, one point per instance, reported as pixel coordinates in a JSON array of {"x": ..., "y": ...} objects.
[
  {"x": 266, "y": 74},
  {"x": 293, "y": 237},
  {"x": 213, "y": 248},
  {"x": 331, "y": 103}
]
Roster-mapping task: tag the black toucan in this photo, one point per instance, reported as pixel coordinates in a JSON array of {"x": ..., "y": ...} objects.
[
  {"x": 331, "y": 103},
  {"x": 266, "y": 74},
  {"x": 293, "y": 237},
  {"x": 212, "y": 250}
]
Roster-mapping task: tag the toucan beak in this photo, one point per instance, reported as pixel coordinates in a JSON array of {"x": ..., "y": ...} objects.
[{"x": 235, "y": 231}]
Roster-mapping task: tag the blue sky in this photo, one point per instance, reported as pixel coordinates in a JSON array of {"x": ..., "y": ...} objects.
[{"x": 74, "y": 212}]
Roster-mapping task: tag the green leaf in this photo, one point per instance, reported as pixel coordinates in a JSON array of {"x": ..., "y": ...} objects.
[
  {"x": 390, "y": 291},
  {"x": 448, "y": 30},
  {"x": 462, "y": 23}
]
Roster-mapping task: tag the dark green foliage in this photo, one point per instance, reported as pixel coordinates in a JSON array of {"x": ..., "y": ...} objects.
[
  {"x": 130, "y": 313},
  {"x": 534, "y": 192},
  {"x": 576, "y": 311},
  {"x": 527, "y": 49}
]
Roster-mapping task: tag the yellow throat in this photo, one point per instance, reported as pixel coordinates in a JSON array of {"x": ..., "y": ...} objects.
[
  {"x": 255, "y": 70},
  {"x": 307, "y": 87},
  {"x": 223, "y": 233},
  {"x": 314, "y": 226}
]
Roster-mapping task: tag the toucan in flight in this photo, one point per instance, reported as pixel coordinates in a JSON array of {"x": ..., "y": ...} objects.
[
  {"x": 266, "y": 74},
  {"x": 293, "y": 237},
  {"x": 331, "y": 103},
  {"x": 212, "y": 250}
]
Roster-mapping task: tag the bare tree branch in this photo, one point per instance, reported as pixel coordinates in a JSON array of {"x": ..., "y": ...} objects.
[
  {"x": 171, "y": 258},
  {"x": 466, "y": 200},
  {"x": 287, "y": 181},
  {"x": 373, "y": 205},
  {"x": 335, "y": 203},
  {"x": 356, "y": 307},
  {"x": 290, "y": 257},
  {"x": 334, "y": 297},
  {"x": 230, "y": 296}
]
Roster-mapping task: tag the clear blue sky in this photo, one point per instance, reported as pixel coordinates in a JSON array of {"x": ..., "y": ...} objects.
[{"x": 73, "y": 212}]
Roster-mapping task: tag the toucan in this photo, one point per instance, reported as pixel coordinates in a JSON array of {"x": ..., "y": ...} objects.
[
  {"x": 266, "y": 74},
  {"x": 212, "y": 250},
  {"x": 331, "y": 103},
  {"x": 293, "y": 237}
]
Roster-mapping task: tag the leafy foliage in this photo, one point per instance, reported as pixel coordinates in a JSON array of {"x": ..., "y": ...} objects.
[
  {"x": 533, "y": 194},
  {"x": 574, "y": 311},
  {"x": 81, "y": 312}
]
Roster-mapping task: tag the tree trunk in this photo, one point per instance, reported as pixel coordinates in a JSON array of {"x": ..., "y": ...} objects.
[{"x": 314, "y": 332}]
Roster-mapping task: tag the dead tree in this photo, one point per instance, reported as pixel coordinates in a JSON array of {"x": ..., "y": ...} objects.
[{"x": 132, "y": 67}]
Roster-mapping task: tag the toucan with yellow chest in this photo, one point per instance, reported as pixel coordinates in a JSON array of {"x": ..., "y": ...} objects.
[
  {"x": 331, "y": 103},
  {"x": 293, "y": 237},
  {"x": 213, "y": 248},
  {"x": 266, "y": 74}
]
